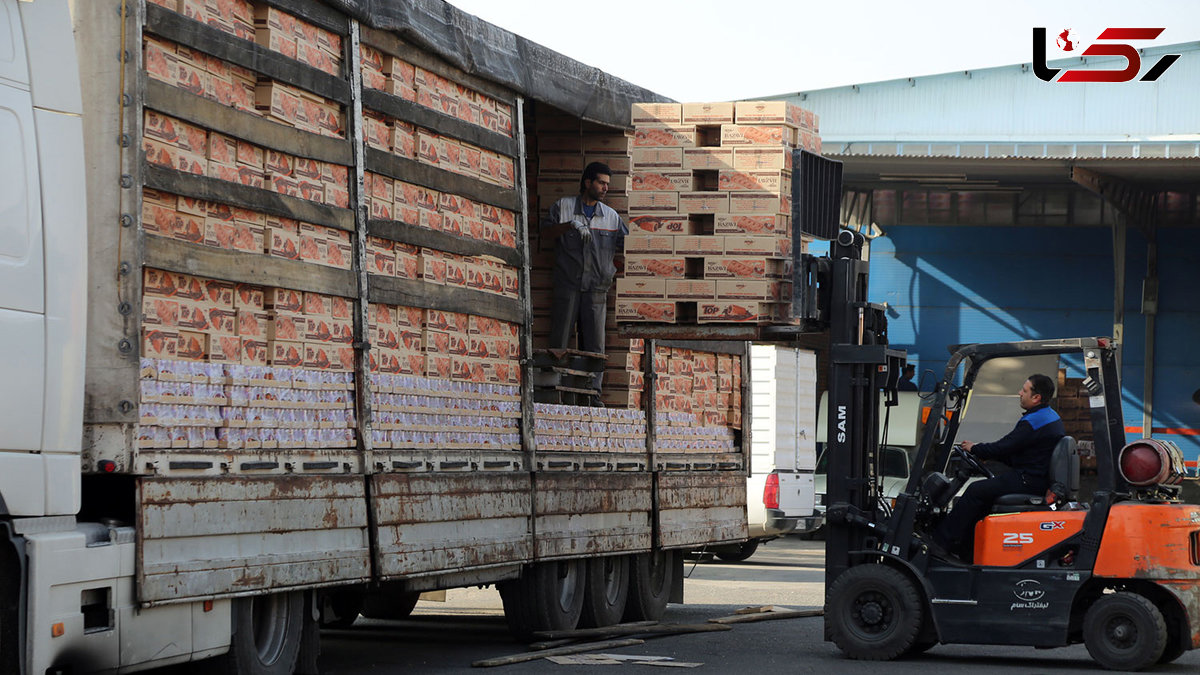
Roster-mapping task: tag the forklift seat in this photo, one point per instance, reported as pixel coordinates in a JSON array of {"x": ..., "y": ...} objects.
[{"x": 1064, "y": 482}]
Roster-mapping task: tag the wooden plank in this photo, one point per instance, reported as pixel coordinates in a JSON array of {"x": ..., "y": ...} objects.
[
  {"x": 435, "y": 522},
  {"x": 391, "y": 44},
  {"x": 413, "y": 293},
  {"x": 409, "y": 233},
  {"x": 586, "y": 513},
  {"x": 190, "y": 33},
  {"x": 639, "y": 628},
  {"x": 283, "y": 515},
  {"x": 700, "y": 508},
  {"x": 767, "y": 616},
  {"x": 260, "y": 131},
  {"x": 412, "y": 171},
  {"x": 528, "y": 439},
  {"x": 111, "y": 364},
  {"x": 248, "y": 268},
  {"x": 316, "y": 13},
  {"x": 255, "y": 199},
  {"x": 557, "y": 651},
  {"x": 222, "y": 537},
  {"x": 445, "y": 125},
  {"x": 173, "y": 588}
]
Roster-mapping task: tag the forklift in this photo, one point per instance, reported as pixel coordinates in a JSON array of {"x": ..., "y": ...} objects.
[{"x": 1119, "y": 573}]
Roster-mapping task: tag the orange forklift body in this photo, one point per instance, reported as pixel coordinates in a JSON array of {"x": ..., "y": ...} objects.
[{"x": 1009, "y": 539}]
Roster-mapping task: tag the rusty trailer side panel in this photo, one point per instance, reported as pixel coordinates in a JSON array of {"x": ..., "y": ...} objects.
[
  {"x": 701, "y": 507},
  {"x": 240, "y": 535},
  {"x": 432, "y": 523},
  {"x": 586, "y": 514}
]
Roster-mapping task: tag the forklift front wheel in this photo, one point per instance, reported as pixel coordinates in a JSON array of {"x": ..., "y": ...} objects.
[
  {"x": 1124, "y": 631},
  {"x": 875, "y": 612}
]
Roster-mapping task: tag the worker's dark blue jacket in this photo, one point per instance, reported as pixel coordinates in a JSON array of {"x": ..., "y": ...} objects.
[{"x": 1029, "y": 446}]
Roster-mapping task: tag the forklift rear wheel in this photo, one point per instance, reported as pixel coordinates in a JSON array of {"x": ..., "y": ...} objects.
[
  {"x": 606, "y": 591},
  {"x": 1124, "y": 631},
  {"x": 875, "y": 612}
]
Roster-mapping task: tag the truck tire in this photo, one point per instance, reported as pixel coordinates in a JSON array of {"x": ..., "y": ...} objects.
[
  {"x": 1124, "y": 631},
  {"x": 605, "y": 592},
  {"x": 548, "y": 596},
  {"x": 874, "y": 612},
  {"x": 389, "y": 603},
  {"x": 742, "y": 553},
  {"x": 10, "y": 631},
  {"x": 266, "y": 635},
  {"x": 651, "y": 576}
]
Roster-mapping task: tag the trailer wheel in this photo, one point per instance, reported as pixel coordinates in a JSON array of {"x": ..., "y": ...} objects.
[
  {"x": 340, "y": 608},
  {"x": 606, "y": 591},
  {"x": 1124, "y": 631},
  {"x": 874, "y": 612},
  {"x": 743, "y": 551},
  {"x": 651, "y": 576},
  {"x": 266, "y": 634},
  {"x": 548, "y": 596},
  {"x": 389, "y": 603}
]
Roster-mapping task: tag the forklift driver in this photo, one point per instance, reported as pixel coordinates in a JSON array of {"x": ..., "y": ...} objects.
[{"x": 1027, "y": 449}]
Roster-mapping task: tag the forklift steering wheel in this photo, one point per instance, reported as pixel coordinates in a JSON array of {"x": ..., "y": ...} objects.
[{"x": 973, "y": 461}]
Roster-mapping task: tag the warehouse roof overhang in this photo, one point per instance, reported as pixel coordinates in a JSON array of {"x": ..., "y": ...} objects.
[
  {"x": 984, "y": 173},
  {"x": 488, "y": 51}
]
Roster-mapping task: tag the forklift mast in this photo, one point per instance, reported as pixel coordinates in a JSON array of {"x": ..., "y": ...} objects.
[{"x": 861, "y": 366}]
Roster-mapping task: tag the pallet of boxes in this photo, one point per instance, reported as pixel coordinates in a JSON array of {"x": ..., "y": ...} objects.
[{"x": 709, "y": 212}]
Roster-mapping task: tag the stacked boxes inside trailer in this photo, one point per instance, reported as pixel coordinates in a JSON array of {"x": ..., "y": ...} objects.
[
  {"x": 327, "y": 325},
  {"x": 710, "y": 203}
]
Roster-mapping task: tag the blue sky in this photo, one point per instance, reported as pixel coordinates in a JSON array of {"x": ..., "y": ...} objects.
[{"x": 710, "y": 50}]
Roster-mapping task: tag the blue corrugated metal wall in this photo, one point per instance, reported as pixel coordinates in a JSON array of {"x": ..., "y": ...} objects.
[{"x": 951, "y": 285}]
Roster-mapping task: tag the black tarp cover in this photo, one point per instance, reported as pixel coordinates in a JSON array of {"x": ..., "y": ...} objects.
[{"x": 493, "y": 53}]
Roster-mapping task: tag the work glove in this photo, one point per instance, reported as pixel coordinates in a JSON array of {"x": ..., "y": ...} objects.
[{"x": 585, "y": 232}]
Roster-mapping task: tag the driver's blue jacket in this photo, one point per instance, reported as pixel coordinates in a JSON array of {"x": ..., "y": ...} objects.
[{"x": 1029, "y": 446}]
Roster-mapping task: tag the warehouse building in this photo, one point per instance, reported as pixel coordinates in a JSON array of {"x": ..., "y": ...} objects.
[{"x": 1003, "y": 207}]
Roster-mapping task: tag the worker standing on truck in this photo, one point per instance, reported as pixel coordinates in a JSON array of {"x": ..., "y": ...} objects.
[
  {"x": 587, "y": 235},
  {"x": 1028, "y": 449}
]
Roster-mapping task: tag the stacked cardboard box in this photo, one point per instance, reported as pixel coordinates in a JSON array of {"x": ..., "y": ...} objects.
[
  {"x": 443, "y": 379},
  {"x": 237, "y": 87},
  {"x": 391, "y": 199},
  {"x": 278, "y": 349},
  {"x": 710, "y": 205},
  {"x": 392, "y": 74},
  {"x": 406, "y": 261},
  {"x": 200, "y": 74},
  {"x": 235, "y": 17},
  {"x": 236, "y": 229},
  {"x": 229, "y": 406},
  {"x": 421, "y": 413},
  {"x": 1071, "y": 403},
  {"x": 196, "y": 319},
  {"x": 268, "y": 26},
  {"x": 446, "y": 345},
  {"x": 587, "y": 429},
  {"x": 297, "y": 39},
  {"x": 680, "y": 433},
  {"x": 185, "y": 147},
  {"x": 293, "y": 106}
]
